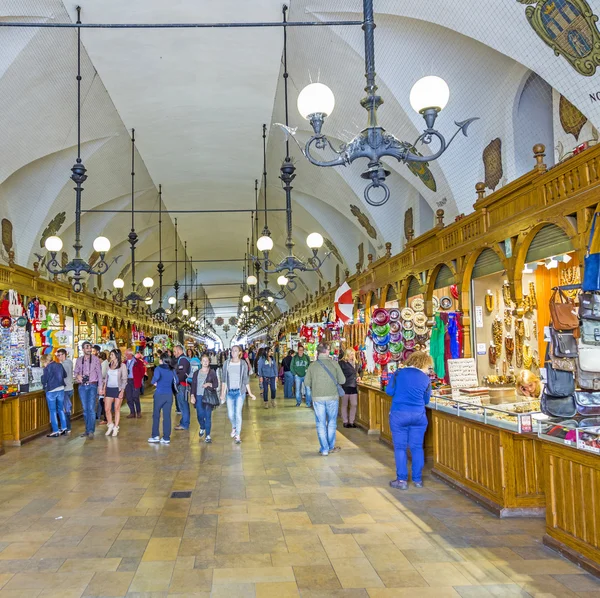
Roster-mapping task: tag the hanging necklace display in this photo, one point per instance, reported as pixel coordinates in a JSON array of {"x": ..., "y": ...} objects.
[
  {"x": 527, "y": 307},
  {"x": 519, "y": 332},
  {"x": 527, "y": 357},
  {"x": 497, "y": 336},
  {"x": 508, "y": 319},
  {"x": 535, "y": 360},
  {"x": 509, "y": 347},
  {"x": 532, "y": 296},
  {"x": 506, "y": 295},
  {"x": 527, "y": 329},
  {"x": 492, "y": 355},
  {"x": 570, "y": 276},
  {"x": 534, "y": 330},
  {"x": 489, "y": 302}
]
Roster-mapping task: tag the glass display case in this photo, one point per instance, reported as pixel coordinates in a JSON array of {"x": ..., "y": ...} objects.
[
  {"x": 516, "y": 417},
  {"x": 583, "y": 434}
]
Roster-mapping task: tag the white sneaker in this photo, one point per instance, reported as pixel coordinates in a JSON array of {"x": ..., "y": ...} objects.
[
  {"x": 163, "y": 441},
  {"x": 154, "y": 439},
  {"x": 238, "y": 440},
  {"x": 201, "y": 433},
  {"x": 233, "y": 433},
  {"x": 109, "y": 429},
  {"x": 115, "y": 431}
]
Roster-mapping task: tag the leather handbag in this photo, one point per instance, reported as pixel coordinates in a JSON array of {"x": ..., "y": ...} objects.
[
  {"x": 589, "y": 358},
  {"x": 558, "y": 382},
  {"x": 564, "y": 343},
  {"x": 591, "y": 265},
  {"x": 558, "y": 406},
  {"x": 587, "y": 380},
  {"x": 210, "y": 397},
  {"x": 589, "y": 306},
  {"x": 588, "y": 403},
  {"x": 590, "y": 332},
  {"x": 563, "y": 313}
]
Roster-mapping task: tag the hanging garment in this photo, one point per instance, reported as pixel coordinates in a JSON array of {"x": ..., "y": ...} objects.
[
  {"x": 453, "y": 334},
  {"x": 436, "y": 347}
]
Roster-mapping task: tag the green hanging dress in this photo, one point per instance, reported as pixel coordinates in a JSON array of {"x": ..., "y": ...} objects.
[{"x": 436, "y": 347}]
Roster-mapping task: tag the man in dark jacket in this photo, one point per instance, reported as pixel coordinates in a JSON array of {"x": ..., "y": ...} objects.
[
  {"x": 53, "y": 382},
  {"x": 288, "y": 376},
  {"x": 182, "y": 369}
]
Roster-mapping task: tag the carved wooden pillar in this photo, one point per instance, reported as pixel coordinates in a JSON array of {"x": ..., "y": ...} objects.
[
  {"x": 388, "y": 249},
  {"x": 539, "y": 153},
  {"x": 369, "y": 259},
  {"x": 480, "y": 188},
  {"x": 439, "y": 214},
  {"x": 410, "y": 235}
]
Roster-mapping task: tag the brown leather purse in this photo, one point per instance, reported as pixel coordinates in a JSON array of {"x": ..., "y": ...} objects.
[{"x": 563, "y": 311}]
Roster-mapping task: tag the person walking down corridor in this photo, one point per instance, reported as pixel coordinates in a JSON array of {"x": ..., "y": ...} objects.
[
  {"x": 53, "y": 382},
  {"x": 135, "y": 377},
  {"x": 63, "y": 359},
  {"x": 88, "y": 373},
  {"x": 114, "y": 385},
  {"x": 164, "y": 379},
  {"x": 353, "y": 371},
  {"x": 410, "y": 389},
  {"x": 288, "y": 376},
  {"x": 299, "y": 366},
  {"x": 324, "y": 377},
  {"x": 203, "y": 379},
  {"x": 182, "y": 369},
  {"x": 267, "y": 371},
  {"x": 234, "y": 386}
]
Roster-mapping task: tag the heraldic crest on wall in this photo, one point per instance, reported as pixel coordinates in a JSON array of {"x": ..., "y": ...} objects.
[{"x": 569, "y": 28}]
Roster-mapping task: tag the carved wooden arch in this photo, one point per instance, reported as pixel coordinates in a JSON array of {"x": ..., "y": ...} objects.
[
  {"x": 464, "y": 279},
  {"x": 372, "y": 299},
  {"x": 430, "y": 282},
  {"x": 386, "y": 289},
  {"x": 524, "y": 242},
  {"x": 403, "y": 295}
]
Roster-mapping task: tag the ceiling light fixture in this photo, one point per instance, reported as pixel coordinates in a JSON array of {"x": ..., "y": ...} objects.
[
  {"x": 428, "y": 97},
  {"x": 77, "y": 266},
  {"x": 160, "y": 314}
]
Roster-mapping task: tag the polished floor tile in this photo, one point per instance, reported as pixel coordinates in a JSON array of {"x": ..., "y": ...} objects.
[{"x": 267, "y": 518}]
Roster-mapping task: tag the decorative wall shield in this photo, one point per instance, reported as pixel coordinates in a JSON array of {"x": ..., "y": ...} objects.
[
  {"x": 408, "y": 222},
  {"x": 569, "y": 28},
  {"x": 571, "y": 118},
  {"x": 492, "y": 162},
  {"x": 364, "y": 221},
  {"x": 421, "y": 169}
]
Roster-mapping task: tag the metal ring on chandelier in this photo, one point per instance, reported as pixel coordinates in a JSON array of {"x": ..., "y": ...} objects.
[{"x": 386, "y": 195}]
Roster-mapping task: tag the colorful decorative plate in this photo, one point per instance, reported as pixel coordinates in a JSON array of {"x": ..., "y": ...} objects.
[
  {"x": 396, "y": 337},
  {"x": 446, "y": 303},
  {"x": 382, "y": 359},
  {"x": 379, "y": 349},
  {"x": 396, "y": 356},
  {"x": 409, "y": 344},
  {"x": 420, "y": 320},
  {"x": 381, "y": 330},
  {"x": 396, "y": 347},
  {"x": 421, "y": 338},
  {"x": 407, "y": 314},
  {"x": 436, "y": 303},
  {"x": 21, "y": 321},
  {"x": 407, "y": 353},
  {"x": 418, "y": 304},
  {"x": 5, "y": 322},
  {"x": 407, "y": 325},
  {"x": 380, "y": 316},
  {"x": 394, "y": 314},
  {"x": 409, "y": 335},
  {"x": 454, "y": 291},
  {"x": 381, "y": 340},
  {"x": 395, "y": 327}
]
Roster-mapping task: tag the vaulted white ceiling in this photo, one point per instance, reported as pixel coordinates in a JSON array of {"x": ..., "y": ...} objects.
[{"x": 198, "y": 98}]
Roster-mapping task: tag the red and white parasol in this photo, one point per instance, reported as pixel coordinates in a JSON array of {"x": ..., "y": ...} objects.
[{"x": 344, "y": 303}]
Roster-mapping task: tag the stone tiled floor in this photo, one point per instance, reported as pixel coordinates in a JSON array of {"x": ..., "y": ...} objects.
[{"x": 269, "y": 518}]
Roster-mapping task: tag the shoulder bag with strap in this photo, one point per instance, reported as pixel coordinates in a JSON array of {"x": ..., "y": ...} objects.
[
  {"x": 563, "y": 313},
  {"x": 591, "y": 268},
  {"x": 340, "y": 390}
]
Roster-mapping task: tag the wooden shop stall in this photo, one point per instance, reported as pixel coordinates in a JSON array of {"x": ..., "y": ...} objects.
[{"x": 495, "y": 269}]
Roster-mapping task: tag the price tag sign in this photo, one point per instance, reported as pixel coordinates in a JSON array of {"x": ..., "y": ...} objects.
[
  {"x": 481, "y": 349},
  {"x": 478, "y": 316},
  {"x": 526, "y": 424}
]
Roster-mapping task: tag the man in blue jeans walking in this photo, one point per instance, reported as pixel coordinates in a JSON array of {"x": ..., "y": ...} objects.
[
  {"x": 88, "y": 373},
  {"x": 298, "y": 367},
  {"x": 182, "y": 369},
  {"x": 323, "y": 378}
]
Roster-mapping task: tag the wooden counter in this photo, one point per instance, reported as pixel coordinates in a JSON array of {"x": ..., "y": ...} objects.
[
  {"x": 573, "y": 514},
  {"x": 26, "y": 417}
]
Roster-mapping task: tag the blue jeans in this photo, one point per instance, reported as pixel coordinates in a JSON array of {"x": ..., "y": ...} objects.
[
  {"x": 288, "y": 385},
  {"x": 269, "y": 382},
  {"x": 326, "y": 413},
  {"x": 68, "y": 407},
  {"x": 408, "y": 430},
  {"x": 88, "y": 394},
  {"x": 55, "y": 403},
  {"x": 235, "y": 402},
  {"x": 184, "y": 406},
  {"x": 204, "y": 413},
  {"x": 299, "y": 383},
  {"x": 164, "y": 403}
]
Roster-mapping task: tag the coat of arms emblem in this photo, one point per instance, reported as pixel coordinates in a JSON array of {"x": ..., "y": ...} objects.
[{"x": 569, "y": 28}]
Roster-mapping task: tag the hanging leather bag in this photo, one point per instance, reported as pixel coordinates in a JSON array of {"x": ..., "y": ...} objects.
[
  {"x": 591, "y": 265},
  {"x": 589, "y": 358},
  {"x": 589, "y": 306},
  {"x": 558, "y": 382},
  {"x": 587, "y": 380},
  {"x": 564, "y": 343},
  {"x": 588, "y": 403},
  {"x": 563, "y": 312},
  {"x": 558, "y": 406},
  {"x": 590, "y": 332}
]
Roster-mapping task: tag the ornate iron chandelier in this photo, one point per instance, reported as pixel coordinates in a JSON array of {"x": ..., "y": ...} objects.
[
  {"x": 133, "y": 298},
  {"x": 159, "y": 314},
  {"x": 77, "y": 266},
  {"x": 428, "y": 97}
]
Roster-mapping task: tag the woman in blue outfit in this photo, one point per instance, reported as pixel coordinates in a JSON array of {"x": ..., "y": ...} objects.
[
  {"x": 410, "y": 389},
  {"x": 165, "y": 379},
  {"x": 267, "y": 371},
  {"x": 204, "y": 378}
]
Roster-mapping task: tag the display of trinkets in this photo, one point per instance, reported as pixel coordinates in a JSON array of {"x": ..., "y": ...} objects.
[{"x": 14, "y": 354}]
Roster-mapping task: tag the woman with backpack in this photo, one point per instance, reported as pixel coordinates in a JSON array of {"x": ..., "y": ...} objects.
[{"x": 204, "y": 379}]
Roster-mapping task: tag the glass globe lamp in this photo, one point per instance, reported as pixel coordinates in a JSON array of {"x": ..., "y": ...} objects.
[
  {"x": 53, "y": 244},
  {"x": 314, "y": 241},
  {"x": 315, "y": 98},
  {"x": 101, "y": 244},
  {"x": 148, "y": 282},
  {"x": 430, "y": 92},
  {"x": 265, "y": 243},
  {"x": 118, "y": 283}
]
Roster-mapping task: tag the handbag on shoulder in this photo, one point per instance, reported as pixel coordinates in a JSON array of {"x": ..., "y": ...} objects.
[
  {"x": 210, "y": 397},
  {"x": 562, "y": 311}
]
